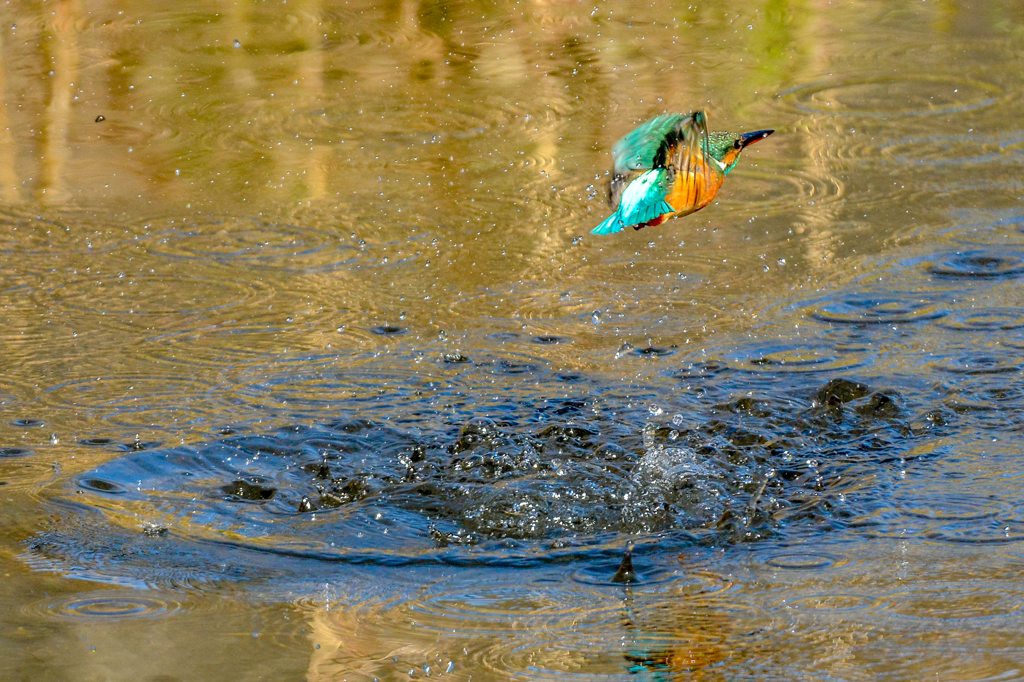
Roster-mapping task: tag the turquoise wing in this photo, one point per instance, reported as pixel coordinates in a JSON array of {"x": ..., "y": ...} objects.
[
  {"x": 646, "y": 146},
  {"x": 644, "y": 199},
  {"x": 637, "y": 149}
]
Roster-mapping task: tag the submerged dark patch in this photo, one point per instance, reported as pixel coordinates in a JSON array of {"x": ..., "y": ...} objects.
[{"x": 540, "y": 481}]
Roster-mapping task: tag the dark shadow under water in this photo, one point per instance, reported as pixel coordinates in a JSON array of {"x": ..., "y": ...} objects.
[{"x": 536, "y": 481}]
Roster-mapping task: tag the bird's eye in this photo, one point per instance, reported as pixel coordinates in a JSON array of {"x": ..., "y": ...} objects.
[{"x": 736, "y": 144}]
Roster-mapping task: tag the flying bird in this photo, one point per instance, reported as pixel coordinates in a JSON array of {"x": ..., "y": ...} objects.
[{"x": 682, "y": 166}]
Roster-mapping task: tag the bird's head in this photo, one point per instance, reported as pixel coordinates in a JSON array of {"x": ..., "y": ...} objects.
[{"x": 726, "y": 147}]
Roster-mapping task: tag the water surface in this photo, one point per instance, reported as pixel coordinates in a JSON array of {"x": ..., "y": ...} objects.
[{"x": 312, "y": 369}]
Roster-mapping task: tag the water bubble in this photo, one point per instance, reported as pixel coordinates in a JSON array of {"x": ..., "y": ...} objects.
[
  {"x": 479, "y": 427},
  {"x": 595, "y": 317},
  {"x": 237, "y": 44}
]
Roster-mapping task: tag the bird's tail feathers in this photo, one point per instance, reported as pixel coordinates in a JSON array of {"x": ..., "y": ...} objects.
[{"x": 611, "y": 225}]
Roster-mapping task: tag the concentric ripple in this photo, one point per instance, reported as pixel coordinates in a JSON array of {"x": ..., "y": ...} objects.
[
  {"x": 27, "y": 233},
  {"x": 978, "y": 265},
  {"x": 887, "y": 96},
  {"x": 786, "y": 356},
  {"x": 137, "y": 401},
  {"x": 317, "y": 380},
  {"x": 231, "y": 344},
  {"x": 263, "y": 243},
  {"x": 879, "y": 307},
  {"x": 104, "y": 606},
  {"x": 829, "y": 603},
  {"x": 12, "y": 394},
  {"x": 804, "y": 561},
  {"x": 966, "y": 149},
  {"x": 24, "y": 474},
  {"x": 952, "y": 603},
  {"x": 761, "y": 189},
  {"x": 962, "y": 507},
  {"x": 974, "y": 364},
  {"x": 151, "y": 294},
  {"x": 985, "y": 319},
  {"x": 537, "y": 608},
  {"x": 996, "y": 231}
]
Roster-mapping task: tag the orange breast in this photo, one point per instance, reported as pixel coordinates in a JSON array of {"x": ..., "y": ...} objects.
[{"x": 693, "y": 191}]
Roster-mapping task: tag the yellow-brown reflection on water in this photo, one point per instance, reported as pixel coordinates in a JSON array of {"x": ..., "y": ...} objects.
[{"x": 539, "y": 628}]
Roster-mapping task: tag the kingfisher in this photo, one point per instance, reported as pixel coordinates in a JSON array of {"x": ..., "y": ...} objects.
[{"x": 682, "y": 168}]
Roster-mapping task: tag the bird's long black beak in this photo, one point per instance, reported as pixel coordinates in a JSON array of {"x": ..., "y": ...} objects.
[{"x": 747, "y": 139}]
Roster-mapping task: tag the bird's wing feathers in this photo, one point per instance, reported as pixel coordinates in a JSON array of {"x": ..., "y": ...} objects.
[
  {"x": 636, "y": 149},
  {"x": 642, "y": 201},
  {"x": 644, "y": 198},
  {"x": 651, "y": 144}
]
